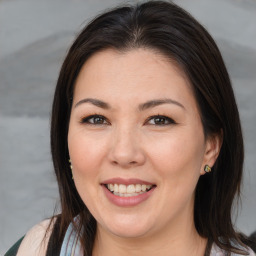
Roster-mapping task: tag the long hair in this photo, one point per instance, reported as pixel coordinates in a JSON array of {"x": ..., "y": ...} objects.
[{"x": 170, "y": 30}]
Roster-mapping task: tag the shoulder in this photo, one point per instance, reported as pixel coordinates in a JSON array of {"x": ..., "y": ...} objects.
[
  {"x": 251, "y": 252},
  {"x": 36, "y": 240},
  {"x": 216, "y": 251}
]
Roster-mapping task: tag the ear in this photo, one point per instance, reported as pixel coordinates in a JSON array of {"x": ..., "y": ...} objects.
[{"x": 212, "y": 150}]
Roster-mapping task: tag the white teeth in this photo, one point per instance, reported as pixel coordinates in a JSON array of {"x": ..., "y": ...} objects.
[
  {"x": 122, "y": 189},
  {"x": 138, "y": 188},
  {"x": 127, "y": 194},
  {"x": 130, "y": 190},
  {"x": 116, "y": 188}
]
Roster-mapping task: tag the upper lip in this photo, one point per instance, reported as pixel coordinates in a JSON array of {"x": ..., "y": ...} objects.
[{"x": 119, "y": 180}]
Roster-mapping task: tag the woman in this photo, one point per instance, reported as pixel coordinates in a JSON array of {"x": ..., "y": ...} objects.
[{"x": 146, "y": 141}]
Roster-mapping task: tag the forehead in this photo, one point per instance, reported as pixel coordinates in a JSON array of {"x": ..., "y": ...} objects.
[{"x": 138, "y": 73}]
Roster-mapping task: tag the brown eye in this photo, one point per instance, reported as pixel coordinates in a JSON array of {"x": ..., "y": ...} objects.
[
  {"x": 160, "y": 120},
  {"x": 95, "y": 120}
]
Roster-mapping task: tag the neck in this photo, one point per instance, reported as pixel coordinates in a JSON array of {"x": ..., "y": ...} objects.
[{"x": 178, "y": 240}]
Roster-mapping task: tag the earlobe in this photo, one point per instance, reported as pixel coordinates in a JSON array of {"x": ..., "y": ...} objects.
[{"x": 212, "y": 150}]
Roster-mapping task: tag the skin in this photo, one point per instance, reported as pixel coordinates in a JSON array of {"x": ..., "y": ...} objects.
[{"x": 131, "y": 143}]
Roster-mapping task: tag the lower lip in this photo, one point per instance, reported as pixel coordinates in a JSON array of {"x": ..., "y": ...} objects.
[{"x": 127, "y": 201}]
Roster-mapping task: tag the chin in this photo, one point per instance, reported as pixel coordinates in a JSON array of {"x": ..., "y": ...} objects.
[
  {"x": 133, "y": 229},
  {"x": 129, "y": 233}
]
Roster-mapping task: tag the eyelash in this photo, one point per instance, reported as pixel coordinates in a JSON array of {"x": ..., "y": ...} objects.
[{"x": 85, "y": 120}]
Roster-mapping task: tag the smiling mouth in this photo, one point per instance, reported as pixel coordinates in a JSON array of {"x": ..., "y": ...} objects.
[{"x": 128, "y": 190}]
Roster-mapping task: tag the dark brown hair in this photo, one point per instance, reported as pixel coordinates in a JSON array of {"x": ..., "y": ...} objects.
[{"x": 170, "y": 30}]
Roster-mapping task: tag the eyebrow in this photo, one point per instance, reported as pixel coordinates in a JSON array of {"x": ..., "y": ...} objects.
[{"x": 143, "y": 106}]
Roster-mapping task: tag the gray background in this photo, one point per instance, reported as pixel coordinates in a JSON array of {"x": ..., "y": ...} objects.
[{"x": 34, "y": 37}]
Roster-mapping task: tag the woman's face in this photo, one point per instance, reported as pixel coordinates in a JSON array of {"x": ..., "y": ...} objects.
[{"x": 136, "y": 142}]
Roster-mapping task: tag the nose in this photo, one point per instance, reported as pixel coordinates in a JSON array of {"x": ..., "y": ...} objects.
[{"x": 126, "y": 149}]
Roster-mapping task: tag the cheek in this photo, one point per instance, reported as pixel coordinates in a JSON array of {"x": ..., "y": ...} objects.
[
  {"x": 177, "y": 150},
  {"x": 177, "y": 161},
  {"x": 86, "y": 153},
  {"x": 178, "y": 158}
]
